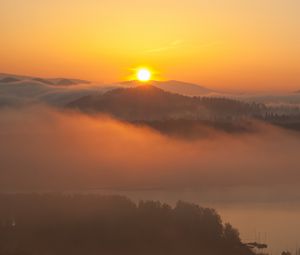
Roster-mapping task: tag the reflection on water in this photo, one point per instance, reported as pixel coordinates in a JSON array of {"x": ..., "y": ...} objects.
[{"x": 277, "y": 225}]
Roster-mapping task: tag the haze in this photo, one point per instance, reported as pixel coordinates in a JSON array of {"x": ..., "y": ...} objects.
[
  {"x": 150, "y": 127},
  {"x": 45, "y": 149}
]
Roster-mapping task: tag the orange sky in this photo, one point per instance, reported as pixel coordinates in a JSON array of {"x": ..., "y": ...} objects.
[{"x": 224, "y": 44}]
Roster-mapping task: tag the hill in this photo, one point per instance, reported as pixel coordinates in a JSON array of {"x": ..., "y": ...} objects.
[
  {"x": 12, "y": 78},
  {"x": 152, "y": 103},
  {"x": 184, "y": 88},
  {"x": 178, "y": 87},
  {"x": 17, "y": 90}
]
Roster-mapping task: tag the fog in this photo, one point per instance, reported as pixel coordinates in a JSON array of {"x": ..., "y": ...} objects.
[
  {"x": 50, "y": 149},
  {"x": 46, "y": 149}
]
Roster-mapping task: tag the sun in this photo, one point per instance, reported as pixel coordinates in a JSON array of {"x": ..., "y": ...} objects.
[{"x": 144, "y": 75}]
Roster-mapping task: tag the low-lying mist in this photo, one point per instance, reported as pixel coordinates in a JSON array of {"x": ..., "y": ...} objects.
[{"x": 47, "y": 149}]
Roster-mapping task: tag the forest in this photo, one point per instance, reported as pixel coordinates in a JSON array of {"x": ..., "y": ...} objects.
[{"x": 32, "y": 224}]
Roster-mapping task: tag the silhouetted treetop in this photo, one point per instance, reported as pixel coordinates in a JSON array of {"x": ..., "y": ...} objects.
[{"x": 94, "y": 224}]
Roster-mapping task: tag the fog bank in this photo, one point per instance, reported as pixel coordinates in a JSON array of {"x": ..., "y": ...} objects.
[{"x": 43, "y": 148}]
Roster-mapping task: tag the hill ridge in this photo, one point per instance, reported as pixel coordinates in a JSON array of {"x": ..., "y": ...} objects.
[{"x": 151, "y": 103}]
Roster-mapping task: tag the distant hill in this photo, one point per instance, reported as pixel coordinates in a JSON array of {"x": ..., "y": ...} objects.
[
  {"x": 152, "y": 103},
  {"x": 178, "y": 87},
  {"x": 8, "y": 79},
  {"x": 183, "y": 88},
  {"x": 11, "y": 78},
  {"x": 17, "y": 90}
]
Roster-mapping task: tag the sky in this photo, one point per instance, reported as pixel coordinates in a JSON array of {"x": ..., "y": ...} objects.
[{"x": 251, "y": 45}]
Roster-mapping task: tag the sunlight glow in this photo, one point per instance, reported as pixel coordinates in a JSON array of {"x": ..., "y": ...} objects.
[{"x": 144, "y": 75}]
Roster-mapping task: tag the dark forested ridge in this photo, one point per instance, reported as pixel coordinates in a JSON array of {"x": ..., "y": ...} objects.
[
  {"x": 92, "y": 224},
  {"x": 148, "y": 103},
  {"x": 180, "y": 115}
]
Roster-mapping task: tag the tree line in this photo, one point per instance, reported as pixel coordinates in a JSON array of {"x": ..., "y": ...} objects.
[{"x": 32, "y": 224}]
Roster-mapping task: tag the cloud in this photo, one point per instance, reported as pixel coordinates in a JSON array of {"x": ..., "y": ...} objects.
[
  {"x": 179, "y": 43},
  {"x": 43, "y": 148}
]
